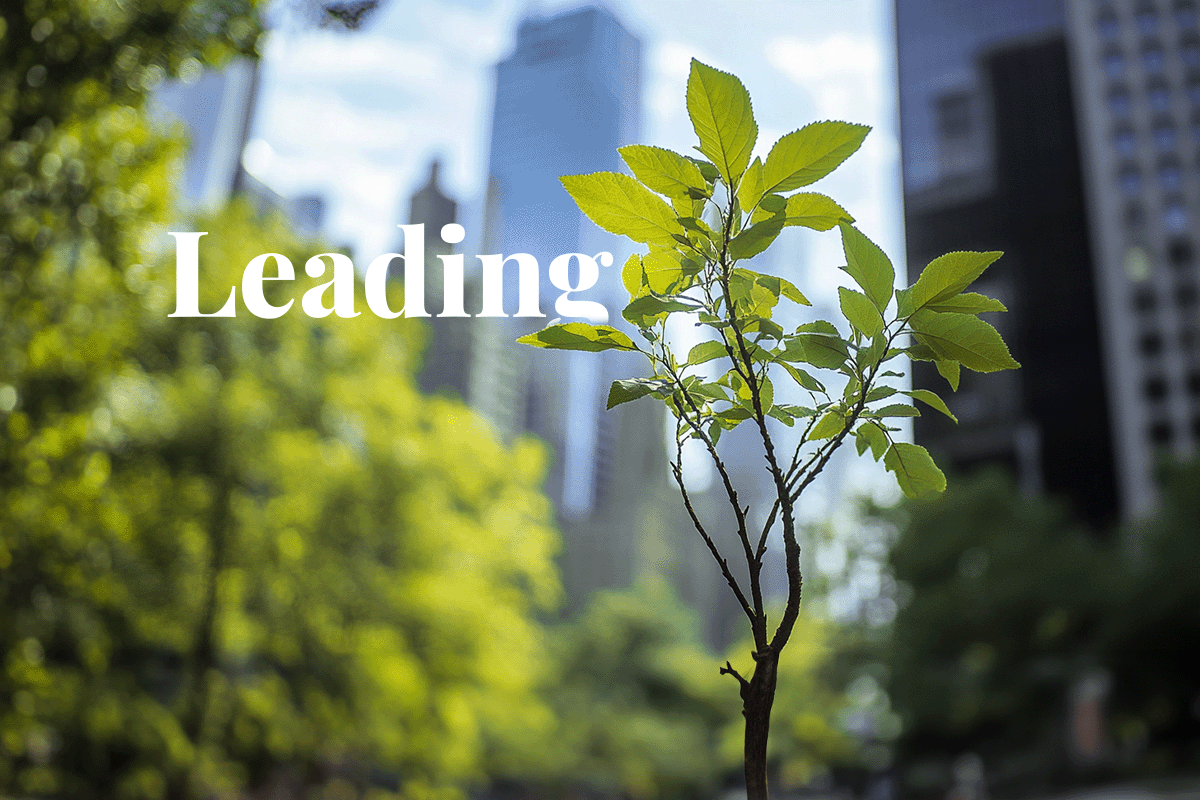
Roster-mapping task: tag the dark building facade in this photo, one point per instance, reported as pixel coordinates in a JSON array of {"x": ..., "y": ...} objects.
[{"x": 992, "y": 162}]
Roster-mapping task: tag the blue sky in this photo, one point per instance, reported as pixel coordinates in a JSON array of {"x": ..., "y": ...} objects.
[{"x": 357, "y": 116}]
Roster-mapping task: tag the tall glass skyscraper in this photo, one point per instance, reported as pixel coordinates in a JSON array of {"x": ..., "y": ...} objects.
[{"x": 566, "y": 98}]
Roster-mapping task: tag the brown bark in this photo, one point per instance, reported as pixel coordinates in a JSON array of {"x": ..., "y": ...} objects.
[{"x": 758, "y": 695}]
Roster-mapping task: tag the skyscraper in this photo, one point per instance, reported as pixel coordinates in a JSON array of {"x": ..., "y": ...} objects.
[
  {"x": 991, "y": 159},
  {"x": 566, "y": 98},
  {"x": 1136, "y": 65}
]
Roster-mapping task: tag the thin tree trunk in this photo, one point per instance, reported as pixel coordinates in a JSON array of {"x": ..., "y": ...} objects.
[{"x": 757, "y": 698}]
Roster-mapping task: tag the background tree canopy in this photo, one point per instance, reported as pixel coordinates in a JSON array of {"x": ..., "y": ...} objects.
[{"x": 234, "y": 552}]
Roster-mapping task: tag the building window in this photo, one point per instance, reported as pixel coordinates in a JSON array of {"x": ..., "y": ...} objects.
[
  {"x": 1170, "y": 173},
  {"x": 1158, "y": 92},
  {"x": 1155, "y": 389},
  {"x": 1181, "y": 253},
  {"x": 1185, "y": 14},
  {"x": 1137, "y": 263},
  {"x": 1185, "y": 295},
  {"x": 1108, "y": 25},
  {"x": 1119, "y": 101},
  {"x": 1165, "y": 135},
  {"x": 1114, "y": 62},
  {"x": 955, "y": 119},
  {"x": 1193, "y": 88},
  {"x": 1135, "y": 215},
  {"x": 1188, "y": 339},
  {"x": 1196, "y": 428},
  {"x": 1144, "y": 299},
  {"x": 1130, "y": 178},
  {"x": 1189, "y": 48},
  {"x": 1193, "y": 384},
  {"x": 1153, "y": 58},
  {"x": 1175, "y": 215},
  {"x": 1150, "y": 344},
  {"x": 1147, "y": 17},
  {"x": 1125, "y": 140},
  {"x": 1160, "y": 433}
]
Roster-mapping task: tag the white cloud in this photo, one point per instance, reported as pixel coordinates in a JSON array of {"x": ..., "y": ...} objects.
[{"x": 841, "y": 72}]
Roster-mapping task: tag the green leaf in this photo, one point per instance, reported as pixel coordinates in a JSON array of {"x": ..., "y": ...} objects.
[
  {"x": 946, "y": 276},
  {"x": 719, "y": 107},
  {"x": 792, "y": 293},
  {"x": 664, "y": 271},
  {"x": 781, "y": 415},
  {"x": 929, "y": 398},
  {"x": 752, "y": 296},
  {"x": 812, "y": 210},
  {"x": 755, "y": 239},
  {"x": 829, "y": 426},
  {"x": 820, "y": 350},
  {"x": 879, "y": 392},
  {"x": 870, "y": 435},
  {"x": 579, "y": 336},
  {"x": 632, "y": 277},
  {"x": 730, "y": 417},
  {"x": 664, "y": 171},
  {"x": 950, "y": 371},
  {"x": 968, "y": 303},
  {"x": 894, "y": 410},
  {"x": 644, "y": 310},
  {"x": 868, "y": 265},
  {"x": 860, "y": 311},
  {"x": 631, "y": 389},
  {"x": 706, "y": 351},
  {"x": 963, "y": 338},
  {"x": 915, "y": 471},
  {"x": 802, "y": 378},
  {"x": 750, "y": 190},
  {"x": 621, "y": 205},
  {"x": 809, "y": 154},
  {"x": 707, "y": 168}
]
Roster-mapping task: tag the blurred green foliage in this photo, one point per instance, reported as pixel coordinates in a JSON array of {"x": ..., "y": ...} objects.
[
  {"x": 244, "y": 555},
  {"x": 642, "y": 711},
  {"x": 1012, "y": 603},
  {"x": 235, "y": 553}
]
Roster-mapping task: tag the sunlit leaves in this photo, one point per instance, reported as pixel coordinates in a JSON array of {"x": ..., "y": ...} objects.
[
  {"x": 931, "y": 399},
  {"x": 860, "y": 311},
  {"x": 623, "y": 391},
  {"x": 950, "y": 371},
  {"x": 719, "y": 107},
  {"x": 915, "y": 471},
  {"x": 805, "y": 209},
  {"x": 579, "y": 336},
  {"x": 809, "y": 154},
  {"x": 945, "y": 277},
  {"x": 755, "y": 239},
  {"x": 963, "y": 338},
  {"x": 868, "y": 265},
  {"x": 621, "y": 205},
  {"x": 665, "y": 172}
]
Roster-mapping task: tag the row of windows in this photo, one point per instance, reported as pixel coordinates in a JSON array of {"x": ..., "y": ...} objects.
[
  {"x": 1152, "y": 343},
  {"x": 1163, "y": 431},
  {"x": 1145, "y": 299},
  {"x": 1168, "y": 172},
  {"x": 1152, "y": 55},
  {"x": 1174, "y": 215},
  {"x": 1156, "y": 389},
  {"x": 1158, "y": 96},
  {"x": 1164, "y": 133},
  {"x": 1148, "y": 17}
]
